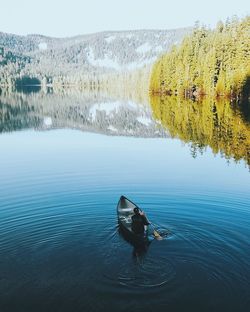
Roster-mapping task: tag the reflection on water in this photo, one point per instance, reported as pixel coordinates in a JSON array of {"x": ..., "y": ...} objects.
[
  {"x": 223, "y": 126},
  {"x": 91, "y": 112}
]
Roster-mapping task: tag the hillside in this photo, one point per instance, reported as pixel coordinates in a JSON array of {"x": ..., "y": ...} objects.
[{"x": 68, "y": 59}]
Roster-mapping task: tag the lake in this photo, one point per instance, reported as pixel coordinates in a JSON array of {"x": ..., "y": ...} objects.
[{"x": 65, "y": 161}]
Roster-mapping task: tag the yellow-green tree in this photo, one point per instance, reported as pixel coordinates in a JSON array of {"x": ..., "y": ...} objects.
[{"x": 214, "y": 62}]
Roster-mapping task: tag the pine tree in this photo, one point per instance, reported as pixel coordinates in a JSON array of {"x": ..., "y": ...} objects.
[{"x": 214, "y": 62}]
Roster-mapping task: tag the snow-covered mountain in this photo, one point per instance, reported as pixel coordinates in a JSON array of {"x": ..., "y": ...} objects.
[{"x": 101, "y": 52}]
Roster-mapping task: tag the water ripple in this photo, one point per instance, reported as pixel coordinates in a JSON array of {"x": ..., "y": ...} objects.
[{"x": 51, "y": 238}]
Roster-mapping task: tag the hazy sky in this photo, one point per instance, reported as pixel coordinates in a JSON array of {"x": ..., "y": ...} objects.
[{"x": 60, "y": 18}]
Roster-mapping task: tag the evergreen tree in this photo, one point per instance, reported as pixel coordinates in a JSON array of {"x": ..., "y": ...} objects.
[{"x": 214, "y": 62}]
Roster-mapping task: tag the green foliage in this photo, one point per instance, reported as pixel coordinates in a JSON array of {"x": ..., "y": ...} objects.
[
  {"x": 214, "y": 62},
  {"x": 223, "y": 126}
]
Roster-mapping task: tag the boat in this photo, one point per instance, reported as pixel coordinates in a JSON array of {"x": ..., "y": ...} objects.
[{"x": 125, "y": 210}]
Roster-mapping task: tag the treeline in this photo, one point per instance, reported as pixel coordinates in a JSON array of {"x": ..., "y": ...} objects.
[
  {"x": 214, "y": 62},
  {"x": 11, "y": 65}
]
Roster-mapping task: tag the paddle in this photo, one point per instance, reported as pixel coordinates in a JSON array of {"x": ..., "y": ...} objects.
[{"x": 156, "y": 234}]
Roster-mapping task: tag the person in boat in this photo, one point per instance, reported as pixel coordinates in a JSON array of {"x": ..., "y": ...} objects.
[{"x": 139, "y": 222}]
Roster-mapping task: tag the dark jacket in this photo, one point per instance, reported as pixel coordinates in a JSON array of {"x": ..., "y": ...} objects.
[{"x": 138, "y": 222}]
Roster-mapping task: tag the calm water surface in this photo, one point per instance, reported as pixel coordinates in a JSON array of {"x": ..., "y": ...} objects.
[{"x": 60, "y": 248}]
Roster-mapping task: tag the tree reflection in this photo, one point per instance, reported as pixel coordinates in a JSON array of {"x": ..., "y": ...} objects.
[
  {"x": 17, "y": 117},
  {"x": 27, "y": 85},
  {"x": 218, "y": 123}
]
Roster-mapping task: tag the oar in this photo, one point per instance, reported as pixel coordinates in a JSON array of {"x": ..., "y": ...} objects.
[{"x": 156, "y": 234}]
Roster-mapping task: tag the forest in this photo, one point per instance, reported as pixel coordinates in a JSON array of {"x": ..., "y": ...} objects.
[{"x": 213, "y": 62}]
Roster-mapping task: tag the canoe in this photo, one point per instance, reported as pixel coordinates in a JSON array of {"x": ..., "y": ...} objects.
[{"x": 125, "y": 210}]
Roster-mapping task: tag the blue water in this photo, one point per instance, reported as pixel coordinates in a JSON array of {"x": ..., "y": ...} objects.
[{"x": 60, "y": 248}]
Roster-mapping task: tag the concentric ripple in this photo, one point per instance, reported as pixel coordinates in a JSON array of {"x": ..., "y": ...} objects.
[{"x": 60, "y": 248}]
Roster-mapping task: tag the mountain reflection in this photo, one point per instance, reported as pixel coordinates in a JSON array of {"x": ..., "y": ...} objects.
[
  {"x": 222, "y": 125},
  {"x": 85, "y": 111}
]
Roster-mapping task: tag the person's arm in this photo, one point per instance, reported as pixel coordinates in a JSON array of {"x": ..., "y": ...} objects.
[{"x": 145, "y": 219}]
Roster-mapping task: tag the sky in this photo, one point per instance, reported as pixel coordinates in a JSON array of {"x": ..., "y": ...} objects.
[{"x": 61, "y": 18}]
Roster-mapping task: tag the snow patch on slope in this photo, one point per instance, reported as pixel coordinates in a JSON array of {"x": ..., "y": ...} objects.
[
  {"x": 42, "y": 46},
  {"x": 113, "y": 129},
  {"x": 110, "y": 62},
  {"x": 102, "y": 62},
  {"x": 144, "y": 120},
  {"x": 110, "y": 39},
  {"x": 146, "y": 47},
  {"x": 158, "y": 48}
]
